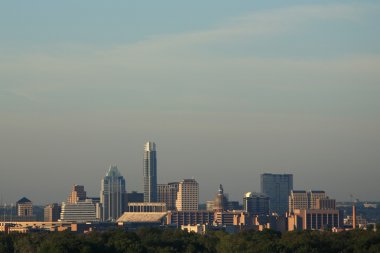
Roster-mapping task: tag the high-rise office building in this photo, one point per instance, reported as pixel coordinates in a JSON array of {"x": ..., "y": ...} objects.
[
  {"x": 277, "y": 187},
  {"x": 256, "y": 204},
  {"x": 77, "y": 194},
  {"x": 52, "y": 212},
  {"x": 187, "y": 195},
  {"x": 150, "y": 172},
  {"x": 113, "y": 196},
  {"x": 167, "y": 193}
]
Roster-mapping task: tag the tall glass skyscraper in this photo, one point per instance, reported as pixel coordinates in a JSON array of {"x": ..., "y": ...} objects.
[
  {"x": 277, "y": 187},
  {"x": 113, "y": 195},
  {"x": 150, "y": 172}
]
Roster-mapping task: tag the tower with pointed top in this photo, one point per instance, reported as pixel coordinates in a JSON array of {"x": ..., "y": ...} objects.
[
  {"x": 113, "y": 195},
  {"x": 220, "y": 201},
  {"x": 150, "y": 172}
]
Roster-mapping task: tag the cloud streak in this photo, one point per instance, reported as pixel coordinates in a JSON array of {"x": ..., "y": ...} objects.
[{"x": 182, "y": 65}]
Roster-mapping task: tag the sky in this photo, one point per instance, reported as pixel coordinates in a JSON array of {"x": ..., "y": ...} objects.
[{"x": 227, "y": 89}]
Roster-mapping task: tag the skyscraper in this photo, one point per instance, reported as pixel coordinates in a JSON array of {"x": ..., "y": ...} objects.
[
  {"x": 256, "y": 204},
  {"x": 113, "y": 195},
  {"x": 187, "y": 195},
  {"x": 277, "y": 187},
  {"x": 150, "y": 172},
  {"x": 52, "y": 212},
  {"x": 167, "y": 193},
  {"x": 77, "y": 194}
]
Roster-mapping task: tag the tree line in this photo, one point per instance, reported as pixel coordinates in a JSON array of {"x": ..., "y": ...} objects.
[{"x": 174, "y": 240}]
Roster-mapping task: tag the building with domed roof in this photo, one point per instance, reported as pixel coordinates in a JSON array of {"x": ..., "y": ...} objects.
[{"x": 220, "y": 201}]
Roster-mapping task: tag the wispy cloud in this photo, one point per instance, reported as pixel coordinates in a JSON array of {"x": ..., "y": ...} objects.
[
  {"x": 179, "y": 65},
  {"x": 266, "y": 23}
]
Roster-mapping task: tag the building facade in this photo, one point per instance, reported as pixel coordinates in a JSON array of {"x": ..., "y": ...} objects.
[
  {"x": 77, "y": 194},
  {"x": 313, "y": 219},
  {"x": 167, "y": 193},
  {"x": 80, "y": 212},
  {"x": 190, "y": 217},
  {"x": 232, "y": 218},
  {"x": 113, "y": 196},
  {"x": 52, "y": 212},
  {"x": 24, "y": 207},
  {"x": 150, "y": 172},
  {"x": 256, "y": 204},
  {"x": 309, "y": 200},
  {"x": 187, "y": 195},
  {"x": 277, "y": 187}
]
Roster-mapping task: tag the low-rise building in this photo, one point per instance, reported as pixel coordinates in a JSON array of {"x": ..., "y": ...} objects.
[
  {"x": 314, "y": 219},
  {"x": 81, "y": 211}
]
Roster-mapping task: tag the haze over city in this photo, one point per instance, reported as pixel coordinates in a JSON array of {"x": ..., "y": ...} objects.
[{"x": 226, "y": 89}]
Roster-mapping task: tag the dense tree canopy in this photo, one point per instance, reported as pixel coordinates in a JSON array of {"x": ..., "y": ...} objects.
[{"x": 170, "y": 240}]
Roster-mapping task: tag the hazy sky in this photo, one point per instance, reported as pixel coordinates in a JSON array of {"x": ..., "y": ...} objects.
[{"x": 227, "y": 89}]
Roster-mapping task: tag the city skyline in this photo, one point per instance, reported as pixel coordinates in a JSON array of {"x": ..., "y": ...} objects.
[
  {"x": 113, "y": 171},
  {"x": 228, "y": 91}
]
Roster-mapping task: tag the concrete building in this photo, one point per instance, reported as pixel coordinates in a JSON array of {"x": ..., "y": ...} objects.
[
  {"x": 274, "y": 222},
  {"x": 179, "y": 218},
  {"x": 277, "y": 187},
  {"x": 256, "y": 204},
  {"x": 167, "y": 193},
  {"x": 326, "y": 203},
  {"x": 298, "y": 200},
  {"x": 313, "y": 219},
  {"x": 77, "y": 194},
  {"x": 309, "y": 200},
  {"x": 80, "y": 212},
  {"x": 24, "y": 207},
  {"x": 113, "y": 196},
  {"x": 187, "y": 195},
  {"x": 232, "y": 218},
  {"x": 150, "y": 172},
  {"x": 52, "y": 212},
  {"x": 314, "y": 196}
]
